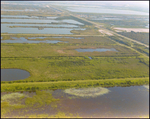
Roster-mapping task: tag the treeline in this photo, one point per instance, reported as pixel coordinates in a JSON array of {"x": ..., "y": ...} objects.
[
  {"x": 120, "y": 40},
  {"x": 124, "y": 23},
  {"x": 134, "y": 45},
  {"x": 139, "y": 36},
  {"x": 142, "y": 50}
]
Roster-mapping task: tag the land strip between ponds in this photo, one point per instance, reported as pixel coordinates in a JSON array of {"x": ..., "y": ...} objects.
[{"x": 73, "y": 84}]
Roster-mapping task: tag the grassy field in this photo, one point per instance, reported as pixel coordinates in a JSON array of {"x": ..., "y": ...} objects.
[{"x": 61, "y": 62}]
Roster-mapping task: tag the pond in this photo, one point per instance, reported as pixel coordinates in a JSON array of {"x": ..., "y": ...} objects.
[
  {"x": 42, "y": 21},
  {"x": 13, "y": 74},
  {"x": 46, "y": 25},
  {"x": 98, "y": 50},
  {"x": 62, "y": 29},
  {"x": 118, "y": 102},
  {"x": 23, "y": 40},
  {"x": 121, "y": 102},
  {"x": 102, "y": 10},
  {"x": 36, "y": 30},
  {"x": 55, "y": 37},
  {"x": 24, "y": 16},
  {"x": 90, "y": 57}
]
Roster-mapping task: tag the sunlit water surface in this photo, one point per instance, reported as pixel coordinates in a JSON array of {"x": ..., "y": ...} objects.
[{"x": 118, "y": 102}]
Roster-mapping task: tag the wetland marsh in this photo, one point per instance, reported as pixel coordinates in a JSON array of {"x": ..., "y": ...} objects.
[
  {"x": 60, "y": 61},
  {"x": 105, "y": 102}
]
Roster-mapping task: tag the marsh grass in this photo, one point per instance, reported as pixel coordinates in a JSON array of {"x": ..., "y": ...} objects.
[
  {"x": 30, "y": 86},
  {"x": 10, "y": 96},
  {"x": 41, "y": 98},
  {"x": 59, "y": 114},
  {"x": 87, "y": 92}
]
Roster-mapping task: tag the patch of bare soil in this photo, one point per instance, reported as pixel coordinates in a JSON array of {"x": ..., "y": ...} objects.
[
  {"x": 60, "y": 51},
  {"x": 105, "y": 32},
  {"x": 131, "y": 29}
]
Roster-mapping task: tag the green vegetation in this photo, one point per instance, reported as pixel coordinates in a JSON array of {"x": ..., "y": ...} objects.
[
  {"x": 60, "y": 63},
  {"x": 87, "y": 92},
  {"x": 38, "y": 100},
  {"x": 65, "y": 49},
  {"x": 32, "y": 86},
  {"x": 124, "y": 23},
  {"x": 60, "y": 66},
  {"x": 138, "y": 47},
  {"x": 35, "y": 10},
  {"x": 141, "y": 49},
  {"x": 138, "y": 36}
]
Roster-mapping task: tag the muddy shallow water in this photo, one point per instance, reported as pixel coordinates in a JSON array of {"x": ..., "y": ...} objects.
[{"x": 120, "y": 102}]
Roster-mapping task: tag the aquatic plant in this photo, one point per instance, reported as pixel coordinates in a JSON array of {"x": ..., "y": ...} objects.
[
  {"x": 87, "y": 92},
  {"x": 11, "y": 96},
  {"x": 41, "y": 98}
]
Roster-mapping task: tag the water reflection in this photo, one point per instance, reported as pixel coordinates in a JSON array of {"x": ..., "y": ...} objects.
[
  {"x": 120, "y": 102},
  {"x": 5, "y": 29},
  {"x": 90, "y": 57},
  {"x": 146, "y": 86}
]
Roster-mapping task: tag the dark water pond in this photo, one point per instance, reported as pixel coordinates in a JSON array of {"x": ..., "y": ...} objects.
[
  {"x": 23, "y": 40},
  {"x": 55, "y": 37},
  {"x": 13, "y": 74},
  {"x": 98, "y": 50}
]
